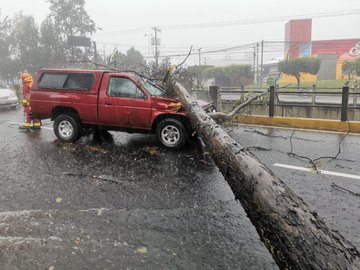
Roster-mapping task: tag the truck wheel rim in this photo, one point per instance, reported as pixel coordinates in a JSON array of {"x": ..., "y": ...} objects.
[
  {"x": 65, "y": 129},
  {"x": 170, "y": 135}
]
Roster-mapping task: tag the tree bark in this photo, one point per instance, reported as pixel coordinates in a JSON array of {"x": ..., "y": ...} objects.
[
  {"x": 295, "y": 235},
  {"x": 298, "y": 81}
]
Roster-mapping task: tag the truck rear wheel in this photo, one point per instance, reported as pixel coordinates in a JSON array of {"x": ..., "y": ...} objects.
[
  {"x": 171, "y": 133},
  {"x": 67, "y": 128}
]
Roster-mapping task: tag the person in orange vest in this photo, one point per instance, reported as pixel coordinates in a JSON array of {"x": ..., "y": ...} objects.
[{"x": 27, "y": 80}]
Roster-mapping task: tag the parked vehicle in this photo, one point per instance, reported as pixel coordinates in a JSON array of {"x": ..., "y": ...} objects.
[
  {"x": 8, "y": 97},
  {"x": 83, "y": 101}
]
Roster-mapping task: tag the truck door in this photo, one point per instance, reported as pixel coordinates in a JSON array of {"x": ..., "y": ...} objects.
[{"x": 123, "y": 104}]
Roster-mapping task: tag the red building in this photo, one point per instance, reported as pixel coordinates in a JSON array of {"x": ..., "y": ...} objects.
[{"x": 332, "y": 53}]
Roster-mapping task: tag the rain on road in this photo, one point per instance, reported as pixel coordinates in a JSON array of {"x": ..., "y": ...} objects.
[{"x": 120, "y": 202}]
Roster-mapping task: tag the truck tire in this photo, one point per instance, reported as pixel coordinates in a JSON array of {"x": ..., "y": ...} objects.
[
  {"x": 171, "y": 133},
  {"x": 67, "y": 128}
]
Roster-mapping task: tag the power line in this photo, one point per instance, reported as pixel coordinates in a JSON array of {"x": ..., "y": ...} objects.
[
  {"x": 236, "y": 22},
  {"x": 264, "y": 20},
  {"x": 229, "y": 49},
  {"x": 271, "y": 49},
  {"x": 124, "y": 32}
]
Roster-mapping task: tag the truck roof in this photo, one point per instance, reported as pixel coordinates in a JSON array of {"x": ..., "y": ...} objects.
[{"x": 94, "y": 71}]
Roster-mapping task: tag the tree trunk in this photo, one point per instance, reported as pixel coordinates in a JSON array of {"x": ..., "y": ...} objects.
[
  {"x": 294, "y": 234},
  {"x": 298, "y": 81}
]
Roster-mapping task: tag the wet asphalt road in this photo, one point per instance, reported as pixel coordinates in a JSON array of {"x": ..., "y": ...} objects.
[
  {"x": 166, "y": 210},
  {"x": 122, "y": 203},
  {"x": 339, "y": 208}
]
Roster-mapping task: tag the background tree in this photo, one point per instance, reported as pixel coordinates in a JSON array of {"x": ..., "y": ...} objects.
[
  {"x": 357, "y": 67},
  {"x": 230, "y": 76},
  {"x": 134, "y": 58},
  {"x": 71, "y": 19},
  {"x": 25, "y": 43},
  {"x": 51, "y": 45},
  {"x": 5, "y": 61},
  {"x": 239, "y": 75},
  {"x": 198, "y": 73},
  {"x": 117, "y": 60},
  {"x": 217, "y": 74},
  {"x": 349, "y": 68},
  {"x": 299, "y": 65}
]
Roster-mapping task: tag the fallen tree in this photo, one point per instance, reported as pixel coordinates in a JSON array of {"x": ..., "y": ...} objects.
[{"x": 294, "y": 234}]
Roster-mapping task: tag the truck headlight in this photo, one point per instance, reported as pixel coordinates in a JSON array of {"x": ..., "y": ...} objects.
[{"x": 174, "y": 106}]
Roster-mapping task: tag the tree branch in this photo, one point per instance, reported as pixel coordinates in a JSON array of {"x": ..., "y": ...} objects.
[{"x": 223, "y": 117}]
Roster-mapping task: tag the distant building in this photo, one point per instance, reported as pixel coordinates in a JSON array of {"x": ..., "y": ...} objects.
[
  {"x": 270, "y": 72},
  {"x": 332, "y": 53}
]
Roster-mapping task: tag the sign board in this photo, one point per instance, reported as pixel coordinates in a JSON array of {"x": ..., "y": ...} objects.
[
  {"x": 153, "y": 41},
  {"x": 77, "y": 41},
  {"x": 354, "y": 51}
]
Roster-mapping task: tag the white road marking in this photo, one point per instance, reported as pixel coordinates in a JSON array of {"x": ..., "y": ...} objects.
[
  {"x": 20, "y": 240},
  {"x": 20, "y": 213},
  {"x": 19, "y": 124},
  {"x": 291, "y": 167}
]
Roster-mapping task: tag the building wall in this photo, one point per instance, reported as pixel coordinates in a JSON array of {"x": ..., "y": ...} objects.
[
  {"x": 328, "y": 67},
  {"x": 338, "y": 47},
  {"x": 305, "y": 77},
  {"x": 332, "y": 53},
  {"x": 297, "y": 37}
]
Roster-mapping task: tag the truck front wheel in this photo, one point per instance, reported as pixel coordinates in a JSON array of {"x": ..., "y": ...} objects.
[
  {"x": 171, "y": 133},
  {"x": 67, "y": 128}
]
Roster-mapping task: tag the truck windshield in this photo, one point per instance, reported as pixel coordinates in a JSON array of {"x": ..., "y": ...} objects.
[{"x": 152, "y": 88}]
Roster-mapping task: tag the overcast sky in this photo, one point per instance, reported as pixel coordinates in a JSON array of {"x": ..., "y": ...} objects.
[{"x": 115, "y": 18}]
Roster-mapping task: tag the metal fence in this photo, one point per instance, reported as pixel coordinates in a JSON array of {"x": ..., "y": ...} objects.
[{"x": 343, "y": 99}]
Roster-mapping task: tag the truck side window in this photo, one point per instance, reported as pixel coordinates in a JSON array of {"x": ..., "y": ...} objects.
[
  {"x": 71, "y": 81},
  {"x": 79, "y": 81},
  {"x": 123, "y": 87},
  {"x": 52, "y": 81}
]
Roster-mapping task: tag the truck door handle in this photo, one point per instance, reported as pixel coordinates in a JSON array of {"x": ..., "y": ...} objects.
[{"x": 108, "y": 103}]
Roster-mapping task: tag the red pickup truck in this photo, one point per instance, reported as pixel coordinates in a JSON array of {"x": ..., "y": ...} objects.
[{"x": 83, "y": 101}]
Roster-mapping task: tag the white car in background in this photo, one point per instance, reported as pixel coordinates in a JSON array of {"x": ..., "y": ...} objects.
[{"x": 8, "y": 98}]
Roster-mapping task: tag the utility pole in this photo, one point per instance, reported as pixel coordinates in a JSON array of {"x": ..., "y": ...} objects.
[
  {"x": 262, "y": 62},
  {"x": 257, "y": 63},
  {"x": 156, "y": 45},
  {"x": 199, "y": 56},
  {"x": 254, "y": 68},
  {"x": 199, "y": 73}
]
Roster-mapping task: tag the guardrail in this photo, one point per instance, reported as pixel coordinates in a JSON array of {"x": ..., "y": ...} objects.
[{"x": 343, "y": 99}]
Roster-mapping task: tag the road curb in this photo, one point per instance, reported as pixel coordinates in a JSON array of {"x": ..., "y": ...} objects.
[{"x": 305, "y": 123}]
